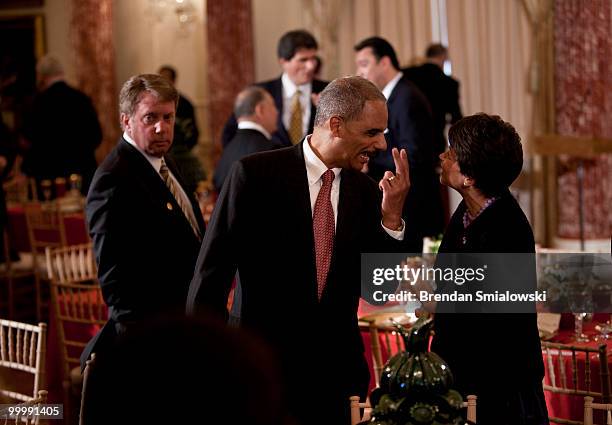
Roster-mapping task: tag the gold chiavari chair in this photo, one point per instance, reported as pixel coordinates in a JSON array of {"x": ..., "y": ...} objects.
[
  {"x": 77, "y": 304},
  {"x": 22, "y": 355},
  {"x": 563, "y": 362},
  {"x": 45, "y": 225}
]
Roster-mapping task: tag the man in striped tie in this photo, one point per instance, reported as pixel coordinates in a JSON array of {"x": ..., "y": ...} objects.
[{"x": 146, "y": 228}]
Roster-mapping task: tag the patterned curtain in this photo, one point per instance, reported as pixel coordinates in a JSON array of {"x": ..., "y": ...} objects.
[
  {"x": 541, "y": 87},
  {"x": 583, "y": 83},
  {"x": 91, "y": 32},
  {"x": 230, "y": 58}
]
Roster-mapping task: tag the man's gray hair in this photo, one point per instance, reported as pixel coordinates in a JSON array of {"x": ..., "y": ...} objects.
[
  {"x": 49, "y": 66},
  {"x": 247, "y": 100},
  {"x": 132, "y": 91},
  {"x": 346, "y": 97}
]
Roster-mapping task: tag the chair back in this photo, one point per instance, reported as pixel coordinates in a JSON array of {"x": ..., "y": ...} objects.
[
  {"x": 85, "y": 396},
  {"x": 23, "y": 350},
  {"x": 357, "y": 407},
  {"x": 589, "y": 406},
  {"x": 564, "y": 376},
  {"x": 71, "y": 264},
  {"x": 45, "y": 225},
  {"x": 77, "y": 299},
  {"x": 392, "y": 343},
  {"x": 41, "y": 398}
]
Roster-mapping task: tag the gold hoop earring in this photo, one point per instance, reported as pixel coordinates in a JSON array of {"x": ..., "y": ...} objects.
[{"x": 465, "y": 183}]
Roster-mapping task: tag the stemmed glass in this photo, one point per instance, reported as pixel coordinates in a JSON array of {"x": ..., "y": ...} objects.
[
  {"x": 579, "y": 298},
  {"x": 45, "y": 185},
  {"x": 604, "y": 331},
  {"x": 75, "y": 184}
]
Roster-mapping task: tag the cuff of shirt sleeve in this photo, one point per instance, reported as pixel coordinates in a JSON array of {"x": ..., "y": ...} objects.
[{"x": 395, "y": 234}]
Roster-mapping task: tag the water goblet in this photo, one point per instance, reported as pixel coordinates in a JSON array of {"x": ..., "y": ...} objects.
[
  {"x": 579, "y": 303},
  {"x": 45, "y": 186}
]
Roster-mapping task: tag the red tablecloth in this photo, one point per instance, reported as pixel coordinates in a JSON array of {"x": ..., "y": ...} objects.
[
  {"x": 76, "y": 230},
  {"x": 568, "y": 406}
]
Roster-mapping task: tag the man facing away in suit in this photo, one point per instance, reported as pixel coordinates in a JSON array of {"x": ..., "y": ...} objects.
[
  {"x": 146, "y": 228},
  {"x": 441, "y": 90},
  {"x": 257, "y": 120},
  {"x": 410, "y": 127},
  {"x": 295, "y": 92},
  {"x": 53, "y": 147},
  {"x": 294, "y": 222}
]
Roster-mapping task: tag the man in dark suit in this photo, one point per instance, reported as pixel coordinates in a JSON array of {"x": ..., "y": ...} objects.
[
  {"x": 257, "y": 120},
  {"x": 295, "y": 92},
  {"x": 145, "y": 227},
  {"x": 294, "y": 222},
  {"x": 441, "y": 90},
  {"x": 410, "y": 127},
  {"x": 62, "y": 129}
]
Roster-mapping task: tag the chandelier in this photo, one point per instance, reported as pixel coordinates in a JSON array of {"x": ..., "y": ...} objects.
[{"x": 184, "y": 11}]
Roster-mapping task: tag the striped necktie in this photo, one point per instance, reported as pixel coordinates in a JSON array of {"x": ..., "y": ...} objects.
[
  {"x": 181, "y": 200},
  {"x": 296, "y": 129}
]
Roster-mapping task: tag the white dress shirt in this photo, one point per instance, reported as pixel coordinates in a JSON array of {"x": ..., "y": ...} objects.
[
  {"x": 251, "y": 125},
  {"x": 289, "y": 89},
  {"x": 391, "y": 85},
  {"x": 314, "y": 170},
  {"x": 156, "y": 164}
]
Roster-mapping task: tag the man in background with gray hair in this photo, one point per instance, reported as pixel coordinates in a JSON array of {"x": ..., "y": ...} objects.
[
  {"x": 62, "y": 130},
  {"x": 257, "y": 121},
  {"x": 146, "y": 228},
  {"x": 294, "y": 223}
]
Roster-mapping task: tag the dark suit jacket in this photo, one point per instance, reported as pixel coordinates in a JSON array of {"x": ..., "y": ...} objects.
[
  {"x": 516, "y": 358},
  {"x": 64, "y": 132},
  {"x": 410, "y": 127},
  {"x": 145, "y": 248},
  {"x": 245, "y": 142},
  {"x": 262, "y": 226},
  {"x": 442, "y": 92},
  {"x": 275, "y": 88}
]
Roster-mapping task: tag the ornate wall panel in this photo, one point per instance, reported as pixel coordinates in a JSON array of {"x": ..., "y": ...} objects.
[
  {"x": 583, "y": 83},
  {"x": 230, "y": 52},
  {"x": 91, "y": 31}
]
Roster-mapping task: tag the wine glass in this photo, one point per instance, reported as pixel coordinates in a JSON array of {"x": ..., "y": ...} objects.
[
  {"x": 75, "y": 184},
  {"x": 604, "y": 330},
  {"x": 579, "y": 298},
  {"x": 45, "y": 186}
]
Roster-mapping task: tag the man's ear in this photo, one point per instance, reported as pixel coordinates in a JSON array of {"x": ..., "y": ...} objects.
[
  {"x": 258, "y": 111},
  {"x": 335, "y": 125},
  {"x": 385, "y": 61},
  {"x": 125, "y": 121}
]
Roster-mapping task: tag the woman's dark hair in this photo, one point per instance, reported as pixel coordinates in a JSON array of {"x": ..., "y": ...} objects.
[{"x": 488, "y": 150}]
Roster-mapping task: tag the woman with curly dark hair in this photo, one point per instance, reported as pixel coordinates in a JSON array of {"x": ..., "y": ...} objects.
[{"x": 495, "y": 356}]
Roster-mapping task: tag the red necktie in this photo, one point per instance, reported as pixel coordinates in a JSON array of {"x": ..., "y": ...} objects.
[{"x": 324, "y": 230}]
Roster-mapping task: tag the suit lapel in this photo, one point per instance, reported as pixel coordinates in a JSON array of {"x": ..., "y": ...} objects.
[
  {"x": 152, "y": 182},
  {"x": 298, "y": 202}
]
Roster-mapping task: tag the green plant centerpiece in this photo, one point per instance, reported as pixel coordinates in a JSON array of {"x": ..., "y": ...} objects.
[{"x": 415, "y": 385}]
